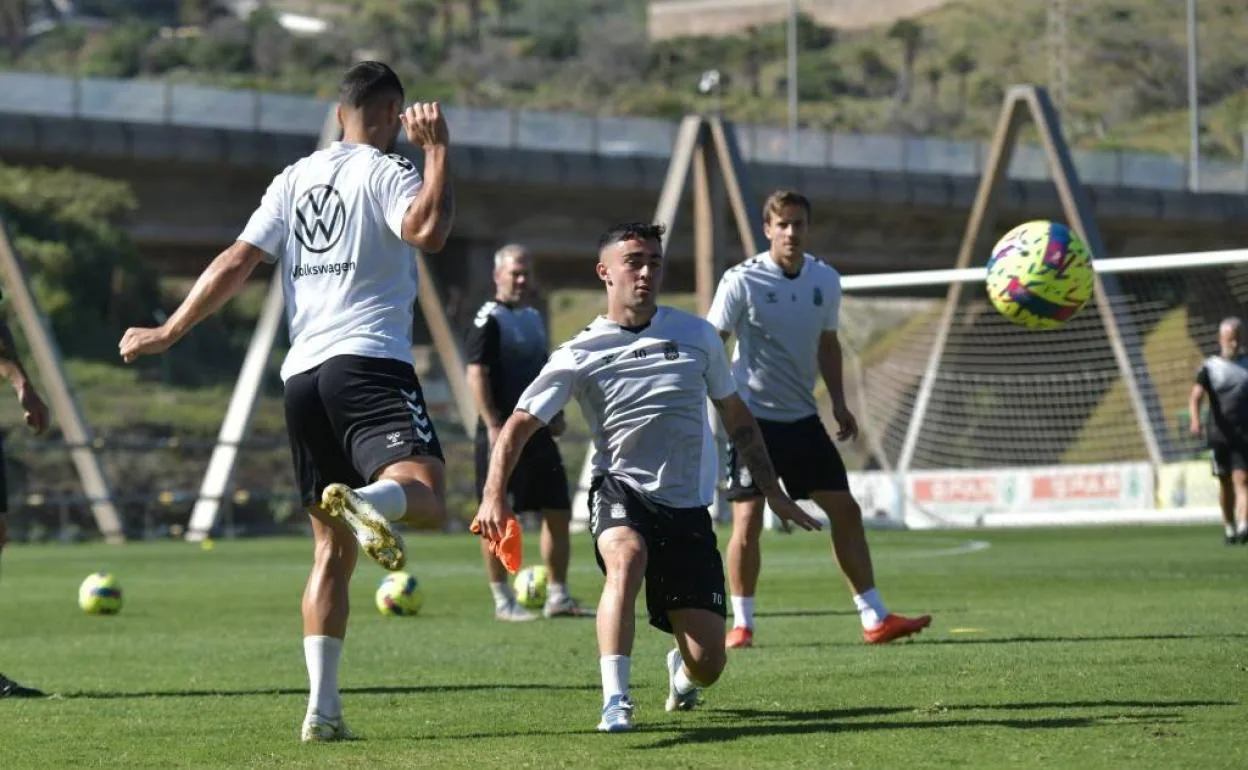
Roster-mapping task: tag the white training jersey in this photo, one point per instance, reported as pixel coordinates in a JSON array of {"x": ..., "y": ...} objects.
[
  {"x": 334, "y": 222},
  {"x": 778, "y": 320},
  {"x": 643, "y": 393}
]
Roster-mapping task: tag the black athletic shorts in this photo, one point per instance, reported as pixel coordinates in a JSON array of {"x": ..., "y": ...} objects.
[
  {"x": 1229, "y": 458},
  {"x": 352, "y": 416},
  {"x": 803, "y": 455},
  {"x": 683, "y": 567},
  {"x": 539, "y": 482}
]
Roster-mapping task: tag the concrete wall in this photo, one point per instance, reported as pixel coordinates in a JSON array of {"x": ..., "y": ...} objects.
[{"x": 683, "y": 18}]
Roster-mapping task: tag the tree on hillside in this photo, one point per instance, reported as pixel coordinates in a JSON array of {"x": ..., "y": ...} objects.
[
  {"x": 910, "y": 34},
  {"x": 13, "y": 22},
  {"x": 475, "y": 18},
  {"x": 446, "y": 17},
  {"x": 962, "y": 64},
  {"x": 67, "y": 227}
]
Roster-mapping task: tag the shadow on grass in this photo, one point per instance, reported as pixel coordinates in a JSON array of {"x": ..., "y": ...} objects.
[
  {"x": 924, "y": 640},
  {"x": 381, "y": 690},
  {"x": 824, "y": 722},
  {"x": 724, "y": 725}
]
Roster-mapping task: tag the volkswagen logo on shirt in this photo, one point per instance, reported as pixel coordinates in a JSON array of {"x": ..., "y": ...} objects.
[{"x": 320, "y": 218}]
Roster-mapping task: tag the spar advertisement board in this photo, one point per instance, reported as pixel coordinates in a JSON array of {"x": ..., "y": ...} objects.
[{"x": 1051, "y": 494}]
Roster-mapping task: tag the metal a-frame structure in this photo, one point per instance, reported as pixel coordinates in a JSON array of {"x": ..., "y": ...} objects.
[
  {"x": 1021, "y": 103},
  {"x": 65, "y": 408},
  {"x": 705, "y": 146},
  {"x": 217, "y": 486}
]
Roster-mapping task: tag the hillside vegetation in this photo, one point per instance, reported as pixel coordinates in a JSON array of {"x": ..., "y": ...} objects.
[{"x": 942, "y": 73}]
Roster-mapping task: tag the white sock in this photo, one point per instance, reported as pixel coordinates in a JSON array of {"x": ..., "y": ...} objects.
[
  {"x": 871, "y": 608},
  {"x": 502, "y": 594},
  {"x": 555, "y": 592},
  {"x": 614, "y": 676},
  {"x": 1230, "y": 530},
  {"x": 321, "y": 653},
  {"x": 1243, "y": 527},
  {"x": 387, "y": 496},
  {"x": 743, "y": 612},
  {"x": 682, "y": 681}
]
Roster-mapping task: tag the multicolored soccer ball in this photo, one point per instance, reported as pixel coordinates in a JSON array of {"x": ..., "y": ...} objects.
[
  {"x": 399, "y": 594},
  {"x": 1040, "y": 275},
  {"x": 530, "y": 585},
  {"x": 100, "y": 594}
]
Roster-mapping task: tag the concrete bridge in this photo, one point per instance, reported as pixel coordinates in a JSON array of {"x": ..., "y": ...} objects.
[{"x": 200, "y": 158}]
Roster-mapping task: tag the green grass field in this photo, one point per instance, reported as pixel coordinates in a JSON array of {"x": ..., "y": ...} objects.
[{"x": 1052, "y": 648}]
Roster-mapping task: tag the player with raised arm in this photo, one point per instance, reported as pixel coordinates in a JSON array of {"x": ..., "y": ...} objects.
[
  {"x": 642, "y": 374},
  {"x": 36, "y": 415},
  {"x": 1224, "y": 378},
  {"x": 341, "y": 225},
  {"x": 507, "y": 347},
  {"x": 783, "y": 306}
]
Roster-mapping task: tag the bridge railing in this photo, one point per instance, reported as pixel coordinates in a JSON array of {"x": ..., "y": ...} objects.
[{"x": 162, "y": 102}]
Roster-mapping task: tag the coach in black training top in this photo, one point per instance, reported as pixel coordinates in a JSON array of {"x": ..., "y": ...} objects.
[{"x": 507, "y": 347}]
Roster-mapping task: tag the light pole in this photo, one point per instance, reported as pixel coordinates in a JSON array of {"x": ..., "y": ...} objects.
[
  {"x": 1193, "y": 102},
  {"x": 792, "y": 81}
]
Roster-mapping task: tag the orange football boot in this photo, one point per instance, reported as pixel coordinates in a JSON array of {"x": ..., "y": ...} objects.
[
  {"x": 895, "y": 627},
  {"x": 739, "y": 637}
]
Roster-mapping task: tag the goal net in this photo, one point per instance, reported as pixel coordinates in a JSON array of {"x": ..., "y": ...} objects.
[{"x": 1008, "y": 426}]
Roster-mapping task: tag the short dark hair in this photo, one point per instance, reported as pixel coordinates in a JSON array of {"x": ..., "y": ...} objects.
[
  {"x": 632, "y": 231},
  {"x": 366, "y": 83},
  {"x": 781, "y": 198}
]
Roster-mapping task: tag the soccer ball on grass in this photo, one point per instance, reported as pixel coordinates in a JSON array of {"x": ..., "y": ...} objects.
[
  {"x": 530, "y": 585},
  {"x": 1040, "y": 275},
  {"x": 100, "y": 594},
  {"x": 399, "y": 594}
]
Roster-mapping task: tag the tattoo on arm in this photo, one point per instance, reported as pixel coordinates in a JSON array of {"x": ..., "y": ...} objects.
[{"x": 749, "y": 444}]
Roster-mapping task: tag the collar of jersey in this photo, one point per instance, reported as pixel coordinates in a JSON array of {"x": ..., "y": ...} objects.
[
  {"x": 770, "y": 264},
  {"x": 602, "y": 322}
]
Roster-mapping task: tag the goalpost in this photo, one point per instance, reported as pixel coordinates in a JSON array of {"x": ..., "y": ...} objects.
[{"x": 1025, "y": 427}]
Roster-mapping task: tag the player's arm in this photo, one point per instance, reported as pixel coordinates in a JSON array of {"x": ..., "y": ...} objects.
[
  {"x": 11, "y": 368},
  {"x": 483, "y": 354},
  {"x": 430, "y": 215},
  {"x": 222, "y": 279},
  {"x": 726, "y": 307},
  {"x": 1193, "y": 408},
  {"x": 748, "y": 439}
]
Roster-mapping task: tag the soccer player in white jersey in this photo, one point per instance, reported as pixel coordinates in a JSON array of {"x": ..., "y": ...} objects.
[
  {"x": 642, "y": 374},
  {"x": 783, "y": 305},
  {"x": 341, "y": 225}
]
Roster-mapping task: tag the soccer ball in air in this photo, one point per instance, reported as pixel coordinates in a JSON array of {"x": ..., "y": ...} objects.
[
  {"x": 530, "y": 585},
  {"x": 399, "y": 594},
  {"x": 1040, "y": 275},
  {"x": 100, "y": 594}
]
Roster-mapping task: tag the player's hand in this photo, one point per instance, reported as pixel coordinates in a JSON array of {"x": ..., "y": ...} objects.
[
  {"x": 425, "y": 125},
  {"x": 1195, "y": 426},
  {"x": 847, "y": 426},
  {"x": 138, "y": 341},
  {"x": 790, "y": 512},
  {"x": 558, "y": 425},
  {"x": 33, "y": 406},
  {"x": 491, "y": 519}
]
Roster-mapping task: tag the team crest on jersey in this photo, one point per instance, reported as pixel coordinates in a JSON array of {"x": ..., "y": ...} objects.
[
  {"x": 671, "y": 351},
  {"x": 818, "y": 296},
  {"x": 320, "y": 218},
  {"x": 771, "y": 298}
]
